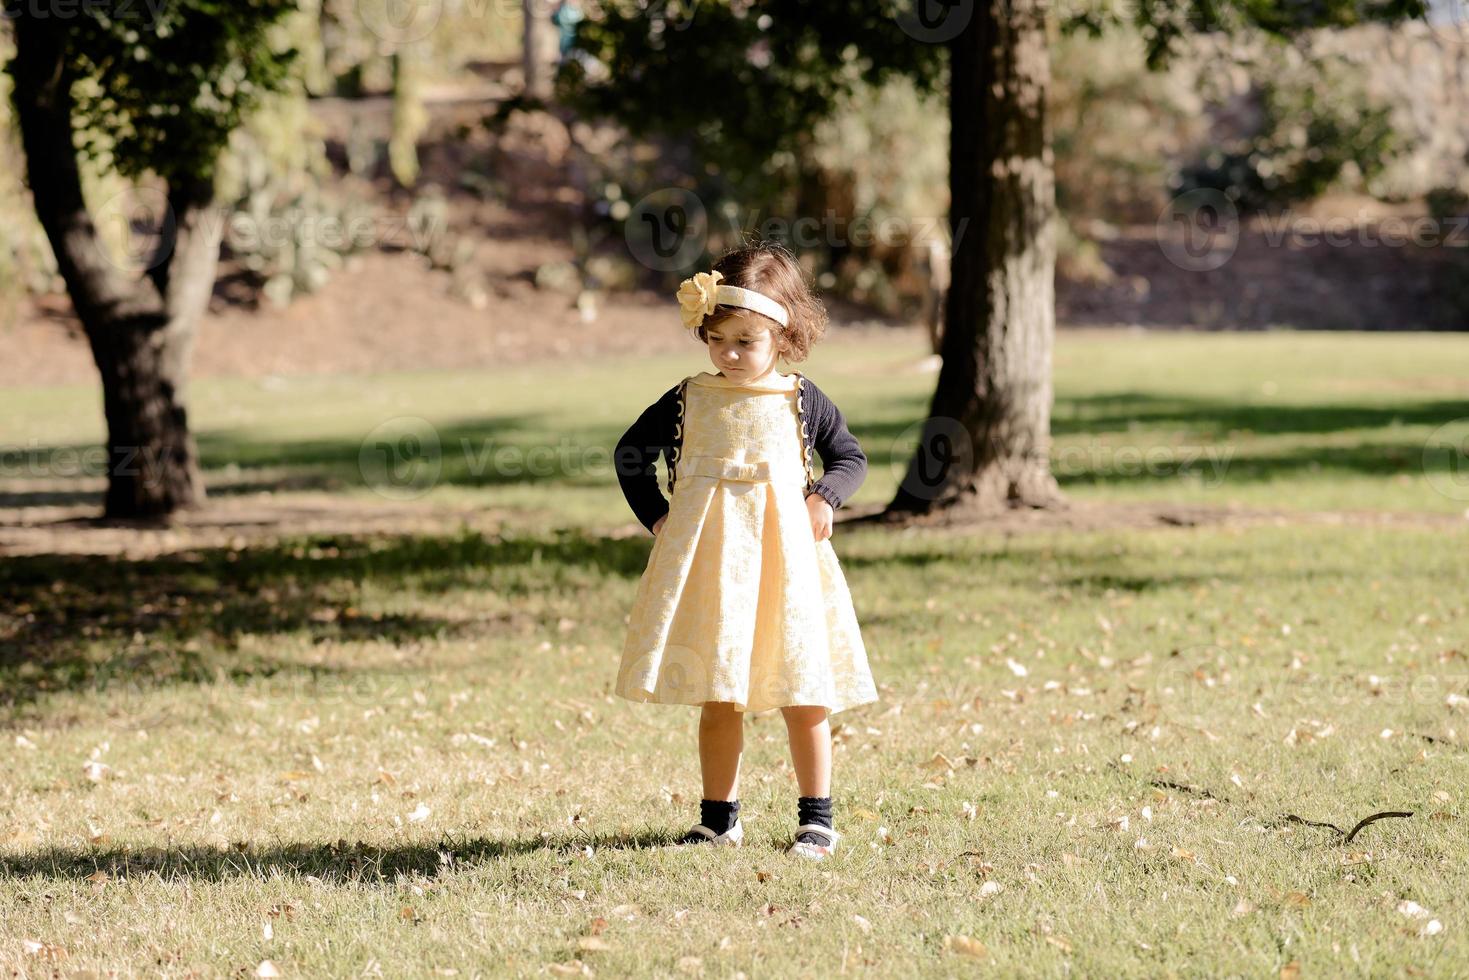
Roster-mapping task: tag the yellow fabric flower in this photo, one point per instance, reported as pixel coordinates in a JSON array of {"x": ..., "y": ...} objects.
[{"x": 697, "y": 297}]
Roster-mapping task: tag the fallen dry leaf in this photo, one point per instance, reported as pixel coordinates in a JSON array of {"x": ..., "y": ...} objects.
[
  {"x": 45, "y": 951},
  {"x": 966, "y": 946}
]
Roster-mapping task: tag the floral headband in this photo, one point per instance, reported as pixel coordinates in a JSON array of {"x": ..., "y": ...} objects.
[{"x": 699, "y": 294}]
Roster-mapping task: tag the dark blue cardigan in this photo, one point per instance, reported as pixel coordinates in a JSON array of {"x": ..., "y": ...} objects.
[{"x": 658, "y": 431}]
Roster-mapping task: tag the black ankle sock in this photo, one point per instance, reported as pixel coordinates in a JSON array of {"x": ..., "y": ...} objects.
[
  {"x": 814, "y": 809},
  {"x": 719, "y": 815}
]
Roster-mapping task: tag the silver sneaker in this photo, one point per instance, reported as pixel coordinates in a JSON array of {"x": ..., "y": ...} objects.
[
  {"x": 700, "y": 834},
  {"x": 815, "y": 852}
]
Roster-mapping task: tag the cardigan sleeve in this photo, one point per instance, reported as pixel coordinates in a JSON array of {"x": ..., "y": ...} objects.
[
  {"x": 844, "y": 465},
  {"x": 637, "y": 453}
]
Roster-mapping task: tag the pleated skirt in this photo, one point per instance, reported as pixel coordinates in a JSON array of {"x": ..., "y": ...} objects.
[{"x": 739, "y": 602}]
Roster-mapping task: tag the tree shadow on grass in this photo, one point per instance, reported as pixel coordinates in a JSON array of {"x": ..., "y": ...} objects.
[
  {"x": 74, "y": 623},
  {"x": 1213, "y": 448},
  {"x": 1095, "y": 414},
  {"x": 339, "y": 863}
]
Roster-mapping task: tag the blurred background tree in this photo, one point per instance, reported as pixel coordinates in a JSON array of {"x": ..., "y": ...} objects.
[
  {"x": 746, "y": 85},
  {"x": 152, "y": 97},
  {"x": 423, "y": 117}
]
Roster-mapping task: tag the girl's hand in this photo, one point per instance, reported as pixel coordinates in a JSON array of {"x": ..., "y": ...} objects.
[
  {"x": 658, "y": 524},
  {"x": 821, "y": 516}
]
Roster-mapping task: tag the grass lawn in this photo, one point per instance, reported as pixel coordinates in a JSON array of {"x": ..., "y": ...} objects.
[{"x": 397, "y": 754}]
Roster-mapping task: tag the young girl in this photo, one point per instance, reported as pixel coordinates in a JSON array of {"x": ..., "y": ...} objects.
[{"x": 742, "y": 606}]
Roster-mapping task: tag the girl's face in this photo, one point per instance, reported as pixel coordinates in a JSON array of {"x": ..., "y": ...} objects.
[{"x": 742, "y": 347}]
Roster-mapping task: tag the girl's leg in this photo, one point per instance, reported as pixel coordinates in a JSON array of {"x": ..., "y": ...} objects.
[
  {"x": 810, "y": 735},
  {"x": 721, "y": 742}
]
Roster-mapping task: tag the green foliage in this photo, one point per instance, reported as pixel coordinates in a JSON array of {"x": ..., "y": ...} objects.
[
  {"x": 292, "y": 239},
  {"x": 162, "y": 90},
  {"x": 742, "y": 82},
  {"x": 790, "y": 108},
  {"x": 1316, "y": 127},
  {"x": 1118, "y": 128},
  {"x": 1447, "y": 203},
  {"x": 1165, "y": 25},
  {"x": 360, "y": 37},
  {"x": 26, "y": 262},
  {"x": 881, "y": 172},
  {"x": 410, "y": 118}
]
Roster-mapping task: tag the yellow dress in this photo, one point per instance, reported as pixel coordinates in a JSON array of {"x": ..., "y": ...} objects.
[{"x": 739, "y": 602}]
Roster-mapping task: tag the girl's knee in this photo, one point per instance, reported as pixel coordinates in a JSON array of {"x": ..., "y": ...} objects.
[{"x": 804, "y": 714}]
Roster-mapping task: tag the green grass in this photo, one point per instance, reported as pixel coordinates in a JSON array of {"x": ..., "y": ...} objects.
[
  {"x": 270, "y": 718},
  {"x": 1314, "y": 421}
]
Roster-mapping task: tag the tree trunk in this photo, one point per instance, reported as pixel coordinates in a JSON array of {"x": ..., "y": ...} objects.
[
  {"x": 141, "y": 328},
  {"x": 153, "y": 467},
  {"x": 986, "y": 443},
  {"x": 538, "y": 42}
]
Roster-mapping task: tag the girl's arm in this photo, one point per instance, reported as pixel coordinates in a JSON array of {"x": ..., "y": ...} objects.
[
  {"x": 843, "y": 463},
  {"x": 637, "y": 452}
]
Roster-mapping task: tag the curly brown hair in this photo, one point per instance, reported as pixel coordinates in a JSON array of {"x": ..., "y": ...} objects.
[{"x": 770, "y": 268}]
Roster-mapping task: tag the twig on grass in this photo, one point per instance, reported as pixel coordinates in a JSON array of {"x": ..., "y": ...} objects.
[
  {"x": 1184, "y": 788},
  {"x": 1373, "y": 819},
  {"x": 1292, "y": 818},
  {"x": 1345, "y": 835}
]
